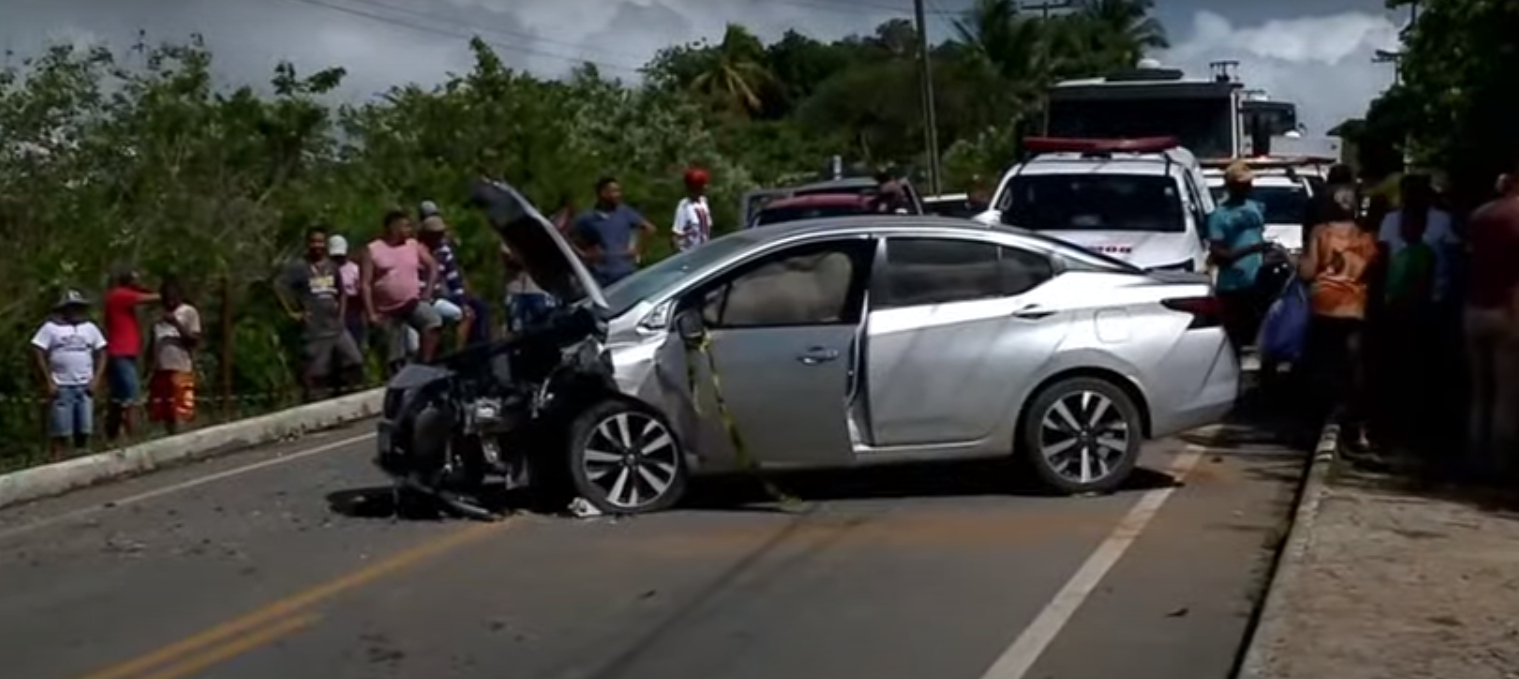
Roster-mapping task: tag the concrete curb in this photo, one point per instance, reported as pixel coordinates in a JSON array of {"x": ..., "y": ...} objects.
[
  {"x": 54, "y": 479},
  {"x": 1268, "y": 628}
]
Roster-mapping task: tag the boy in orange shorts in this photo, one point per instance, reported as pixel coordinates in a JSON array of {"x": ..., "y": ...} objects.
[{"x": 171, "y": 391}]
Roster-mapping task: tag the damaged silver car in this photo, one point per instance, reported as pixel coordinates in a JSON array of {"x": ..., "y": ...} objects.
[{"x": 825, "y": 343}]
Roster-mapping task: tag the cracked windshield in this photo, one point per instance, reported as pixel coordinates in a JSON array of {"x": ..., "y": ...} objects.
[{"x": 679, "y": 339}]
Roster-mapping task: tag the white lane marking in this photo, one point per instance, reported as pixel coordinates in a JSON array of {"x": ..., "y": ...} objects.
[
  {"x": 184, "y": 485},
  {"x": 1018, "y": 659}
]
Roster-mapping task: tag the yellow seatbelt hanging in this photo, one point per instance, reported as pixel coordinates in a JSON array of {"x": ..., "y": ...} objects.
[{"x": 746, "y": 461}]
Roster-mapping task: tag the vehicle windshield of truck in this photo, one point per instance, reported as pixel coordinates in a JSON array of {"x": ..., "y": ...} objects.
[
  {"x": 1282, "y": 203},
  {"x": 1093, "y": 202},
  {"x": 1203, "y": 126}
]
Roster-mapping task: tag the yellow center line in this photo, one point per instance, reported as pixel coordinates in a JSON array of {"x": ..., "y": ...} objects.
[
  {"x": 295, "y": 602},
  {"x": 236, "y": 647}
]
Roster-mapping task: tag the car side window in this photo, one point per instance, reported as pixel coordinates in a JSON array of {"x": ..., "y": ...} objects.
[
  {"x": 922, "y": 271},
  {"x": 815, "y": 284}
]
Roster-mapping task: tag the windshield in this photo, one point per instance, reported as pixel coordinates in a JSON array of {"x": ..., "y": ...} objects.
[
  {"x": 1281, "y": 204},
  {"x": 1204, "y": 126},
  {"x": 1093, "y": 202},
  {"x": 628, "y": 292},
  {"x": 776, "y": 215}
]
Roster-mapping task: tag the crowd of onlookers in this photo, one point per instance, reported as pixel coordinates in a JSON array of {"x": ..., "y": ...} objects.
[
  {"x": 1400, "y": 298},
  {"x": 1410, "y": 309},
  {"x": 399, "y": 297}
]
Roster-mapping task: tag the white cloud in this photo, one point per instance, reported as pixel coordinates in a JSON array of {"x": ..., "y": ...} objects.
[{"x": 1321, "y": 63}]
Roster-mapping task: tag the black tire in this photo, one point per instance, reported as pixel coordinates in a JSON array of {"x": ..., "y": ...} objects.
[
  {"x": 649, "y": 450},
  {"x": 1055, "y": 453}
]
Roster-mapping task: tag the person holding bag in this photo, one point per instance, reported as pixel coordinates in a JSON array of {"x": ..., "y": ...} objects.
[{"x": 1336, "y": 264}]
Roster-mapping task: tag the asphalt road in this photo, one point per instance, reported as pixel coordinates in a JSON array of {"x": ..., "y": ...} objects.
[{"x": 278, "y": 563}]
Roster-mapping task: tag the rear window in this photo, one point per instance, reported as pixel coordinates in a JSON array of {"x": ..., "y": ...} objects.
[
  {"x": 951, "y": 208},
  {"x": 776, "y": 215},
  {"x": 1093, "y": 202}
]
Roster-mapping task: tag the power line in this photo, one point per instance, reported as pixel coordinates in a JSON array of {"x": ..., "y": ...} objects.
[
  {"x": 853, "y": 7},
  {"x": 425, "y": 16},
  {"x": 456, "y": 34}
]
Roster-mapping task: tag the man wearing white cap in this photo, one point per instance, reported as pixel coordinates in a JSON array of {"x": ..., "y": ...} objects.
[{"x": 348, "y": 274}]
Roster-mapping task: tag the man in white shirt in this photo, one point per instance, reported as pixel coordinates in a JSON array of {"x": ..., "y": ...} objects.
[
  {"x": 70, "y": 350},
  {"x": 693, "y": 218}
]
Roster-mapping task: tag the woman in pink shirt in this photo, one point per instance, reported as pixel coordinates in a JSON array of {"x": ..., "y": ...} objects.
[{"x": 391, "y": 281}]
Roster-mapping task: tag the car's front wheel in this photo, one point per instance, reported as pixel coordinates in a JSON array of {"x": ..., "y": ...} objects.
[
  {"x": 1082, "y": 435},
  {"x": 624, "y": 459}
]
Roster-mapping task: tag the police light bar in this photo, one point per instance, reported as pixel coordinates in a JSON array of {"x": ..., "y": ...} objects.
[{"x": 1099, "y": 146}]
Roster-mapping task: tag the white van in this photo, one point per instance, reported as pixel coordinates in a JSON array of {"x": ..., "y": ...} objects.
[{"x": 1144, "y": 201}]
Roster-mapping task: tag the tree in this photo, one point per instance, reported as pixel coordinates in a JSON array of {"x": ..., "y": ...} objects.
[
  {"x": 1456, "y": 96},
  {"x": 735, "y": 76}
]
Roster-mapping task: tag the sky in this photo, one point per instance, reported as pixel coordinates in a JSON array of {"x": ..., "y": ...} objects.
[{"x": 1316, "y": 53}]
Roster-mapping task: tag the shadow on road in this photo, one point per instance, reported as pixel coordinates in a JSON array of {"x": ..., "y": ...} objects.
[{"x": 922, "y": 480}]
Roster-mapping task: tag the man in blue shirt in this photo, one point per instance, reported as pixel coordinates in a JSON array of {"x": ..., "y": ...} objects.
[
  {"x": 1236, "y": 246},
  {"x": 610, "y": 236}
]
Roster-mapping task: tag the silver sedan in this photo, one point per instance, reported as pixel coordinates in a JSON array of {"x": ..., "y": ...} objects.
[{"x": 872, "y": 340}]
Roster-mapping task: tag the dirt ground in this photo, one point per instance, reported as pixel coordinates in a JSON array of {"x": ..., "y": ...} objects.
[{"x": 1399, "y": 584}]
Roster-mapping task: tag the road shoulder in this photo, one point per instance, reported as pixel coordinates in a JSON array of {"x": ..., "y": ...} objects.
[{"x": 1382, "y": 579}]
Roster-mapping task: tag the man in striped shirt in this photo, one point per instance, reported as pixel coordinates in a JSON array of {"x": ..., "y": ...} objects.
[{"x": 451, "y": 299}]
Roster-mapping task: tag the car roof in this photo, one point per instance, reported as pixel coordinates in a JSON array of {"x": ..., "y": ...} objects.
[
  {"x": 887, "y": 224},
  {"x": 1063, "y": 163},
  {"x": 842, "y": 185},
  {"x": 819, "y": 200}
]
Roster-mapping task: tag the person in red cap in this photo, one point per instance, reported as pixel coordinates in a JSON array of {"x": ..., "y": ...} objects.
[{"x": 693, "y": 219}]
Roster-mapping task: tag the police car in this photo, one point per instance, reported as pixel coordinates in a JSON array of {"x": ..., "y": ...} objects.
[{"x": 1144, "y": 201}]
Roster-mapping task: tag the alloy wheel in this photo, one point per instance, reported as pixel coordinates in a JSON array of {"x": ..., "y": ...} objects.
[
  {"x": 1083, "y": 437},
  {"x": 632, "y": 457}
]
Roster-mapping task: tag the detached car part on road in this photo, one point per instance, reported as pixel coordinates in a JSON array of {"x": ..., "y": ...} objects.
[{"x": 837, "y": 343}]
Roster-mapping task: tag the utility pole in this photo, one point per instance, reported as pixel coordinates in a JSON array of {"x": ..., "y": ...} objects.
[
  {"x": 930, "y": 122},
  {"x": 1047, "y": 5}
]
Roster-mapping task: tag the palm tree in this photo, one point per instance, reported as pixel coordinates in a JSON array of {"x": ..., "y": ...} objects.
[
  {"x": 1012, "y": 48},
  {"x": 736, "y": 75},
  {"x": 1121, "y": 30}
]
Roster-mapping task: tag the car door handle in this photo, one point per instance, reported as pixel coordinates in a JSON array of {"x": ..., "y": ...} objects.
[
  {"x": 1033, "y": 312},
  {"x": 818, "y": 355}
]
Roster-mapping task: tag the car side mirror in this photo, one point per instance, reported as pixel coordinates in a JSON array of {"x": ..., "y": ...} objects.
[{"x": 690, "y": 325}]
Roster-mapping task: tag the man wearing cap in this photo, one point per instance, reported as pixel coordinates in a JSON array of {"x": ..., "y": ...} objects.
[
  {"x": 1236, "y": 245},
  {"x": 124, "y": 341},
  {"x": 353, "y": 306},
  {"x": 70, "y": 353},
  {"x": 693, "y": 218},
  {"x": 449, "y": 296}
]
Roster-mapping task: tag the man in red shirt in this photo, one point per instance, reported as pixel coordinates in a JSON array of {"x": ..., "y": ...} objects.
[
  {"x": 1492, "y": 329},
  {"x": 123, "y": 345}
]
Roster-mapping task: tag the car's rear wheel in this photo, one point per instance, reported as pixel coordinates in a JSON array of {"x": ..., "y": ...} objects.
[
  {"x": 1082, "y": 435},
  {"x": 624, "y": 459}
]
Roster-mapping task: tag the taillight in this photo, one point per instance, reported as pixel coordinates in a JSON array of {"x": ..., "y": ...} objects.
[{"x": 1206, "y": 312}]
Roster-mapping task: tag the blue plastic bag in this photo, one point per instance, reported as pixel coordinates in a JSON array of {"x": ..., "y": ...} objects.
[{"x": 1285, "y": 326}]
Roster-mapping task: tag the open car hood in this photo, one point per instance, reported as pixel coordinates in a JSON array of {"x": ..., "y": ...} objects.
[{"x": 534, "y": 241}]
